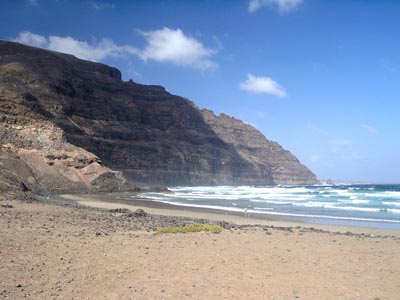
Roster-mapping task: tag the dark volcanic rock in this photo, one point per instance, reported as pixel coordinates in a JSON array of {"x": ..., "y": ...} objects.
[
  {"x": 269, "y": 157},
  {"x": 72, "y": 122}
]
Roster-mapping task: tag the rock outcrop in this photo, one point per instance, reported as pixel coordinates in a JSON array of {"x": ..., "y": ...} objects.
[{"x": 75, "y": 125}]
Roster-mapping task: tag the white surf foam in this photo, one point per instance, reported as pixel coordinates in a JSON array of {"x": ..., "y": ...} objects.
[
  {"x": 354, "y": 201},
  {"x": 283, "y": 214},
  {"x": 391, "y": 203}
]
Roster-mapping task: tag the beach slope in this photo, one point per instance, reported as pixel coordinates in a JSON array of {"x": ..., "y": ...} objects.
[{"x": 73, "y": 252}]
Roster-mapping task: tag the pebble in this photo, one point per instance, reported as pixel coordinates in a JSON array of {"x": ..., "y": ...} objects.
[{"x": 6, "y": 205}]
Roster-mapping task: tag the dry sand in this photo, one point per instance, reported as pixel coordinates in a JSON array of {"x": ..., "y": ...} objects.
[{"x": 61, "y": 252}]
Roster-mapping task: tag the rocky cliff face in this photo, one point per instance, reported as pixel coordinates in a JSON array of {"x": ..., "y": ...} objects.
[
  {"x": 283, "y": 167},
  {"x": 71, "y": 122},
  {"x": 35, "y": 156}
]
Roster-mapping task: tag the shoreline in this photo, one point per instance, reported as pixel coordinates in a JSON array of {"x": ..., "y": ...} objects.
[
  {"x": 79, "y": 248},
  {"x": 164, "y": 209}
]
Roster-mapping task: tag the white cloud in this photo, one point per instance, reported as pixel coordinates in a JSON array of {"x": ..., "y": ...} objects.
[
  {"x": 283, "y": 6},
  {"x": 32, "y": 39},
  {"x": 168, "y": 45},
  {"x": 370, "y": 129},
  {"x": 96, "y": 52},
  {"x": 164, "y": 45},
  {"x": 262, "y": 85},
  {"x": 105, "y": 48}
]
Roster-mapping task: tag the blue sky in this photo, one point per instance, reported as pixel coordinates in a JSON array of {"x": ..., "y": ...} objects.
[{"x": 319, "y": 77}]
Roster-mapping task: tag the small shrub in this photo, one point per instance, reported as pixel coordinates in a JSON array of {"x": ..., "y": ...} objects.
[
  {"x": 194, "y": 227},
  {"x": 4, "y": 186}
]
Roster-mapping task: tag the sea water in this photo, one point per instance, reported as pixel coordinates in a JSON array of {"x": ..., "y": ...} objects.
[{"x": 356, "y": 205}]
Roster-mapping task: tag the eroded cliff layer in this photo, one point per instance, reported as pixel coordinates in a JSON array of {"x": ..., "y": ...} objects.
[
  {"x": 78, "y": 121},
  {"x": 251, "y": 145}
]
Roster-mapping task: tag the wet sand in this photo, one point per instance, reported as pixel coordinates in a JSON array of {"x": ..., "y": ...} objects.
[{"x": 60, "y": 251}]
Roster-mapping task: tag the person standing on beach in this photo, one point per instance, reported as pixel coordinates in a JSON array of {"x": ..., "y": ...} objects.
[{"x": 246, "y": 211}]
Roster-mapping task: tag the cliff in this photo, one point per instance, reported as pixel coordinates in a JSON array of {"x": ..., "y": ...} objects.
[
  {"x": 283, "y": 166},
  {"x": 75, "y": 125}
]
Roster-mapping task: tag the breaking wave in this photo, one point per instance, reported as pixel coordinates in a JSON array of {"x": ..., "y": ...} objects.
[{"x": 368, "y": 203}]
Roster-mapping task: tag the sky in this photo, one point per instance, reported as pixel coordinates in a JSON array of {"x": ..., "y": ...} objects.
[{"x": 321, "y": 78}]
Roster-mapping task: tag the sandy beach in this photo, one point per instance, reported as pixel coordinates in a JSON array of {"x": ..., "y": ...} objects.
[
  {"x": 64, "y": 251},
  {"x": 104, "y": 201}
]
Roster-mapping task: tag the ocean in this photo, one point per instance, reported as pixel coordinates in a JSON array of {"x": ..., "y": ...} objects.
[{"x": 375, "y": 206}]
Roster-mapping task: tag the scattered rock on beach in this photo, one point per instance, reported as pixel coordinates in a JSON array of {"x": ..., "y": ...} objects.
[
  {"x": 119, "y": 210},
  {"x": 6, "y": 206},
  {"x": 139, "y": 213},
  {"x": 225, "y": 224}
]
